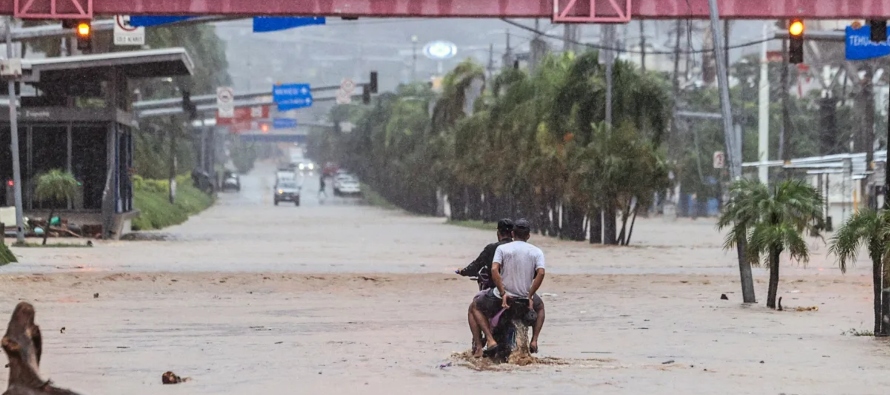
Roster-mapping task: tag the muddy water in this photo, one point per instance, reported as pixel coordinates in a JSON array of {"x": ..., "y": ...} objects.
[{"x": 338, "y": 297}]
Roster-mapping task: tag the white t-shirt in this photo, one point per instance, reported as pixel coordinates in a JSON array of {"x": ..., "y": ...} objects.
[{"x": 519, "y": 261}]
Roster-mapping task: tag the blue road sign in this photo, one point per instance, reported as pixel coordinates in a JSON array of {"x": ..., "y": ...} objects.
[
  {"x": 144, "y": 20},
  {"x": 860, "y": 47},
  {"x": 273, "y": 138},
  {"x": 276, "y": 23},
  {"x": 284, "y": 123},
  {"x": 292, "y": 96}
]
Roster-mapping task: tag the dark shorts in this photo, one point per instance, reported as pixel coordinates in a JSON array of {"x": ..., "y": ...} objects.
[{"x": 489, "y": 304}]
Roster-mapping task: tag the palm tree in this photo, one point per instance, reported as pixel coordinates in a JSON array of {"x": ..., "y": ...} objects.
[
  {"x": 55, "y": 186},
  {"x": 872, "y": 229},
  {"x": 772, "y": 222}
]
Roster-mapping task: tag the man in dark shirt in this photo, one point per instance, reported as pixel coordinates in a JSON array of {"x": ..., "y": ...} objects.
[{"x": 481, "y": 267}]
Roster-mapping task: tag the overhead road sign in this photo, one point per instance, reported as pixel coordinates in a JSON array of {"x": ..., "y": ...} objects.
[
  {"x": 292, "y": 96},
  {"x": 154, "y": 20},
  {"x": 858, "y": 44},
  {"x": 126, "y": 34},
  {"x": 262, "y": 24}
]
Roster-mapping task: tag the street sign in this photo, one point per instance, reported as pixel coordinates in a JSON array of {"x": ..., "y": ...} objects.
[
  {"x": 155, "y": 20},
  {"x": 126, "y": 34},
  {"x": 719, "y": 159},
  {"x": 245, "y": 115},
  {"x": 225, "y": 102},
  {"x": 347, "y": 85},
  {"x": 292, "y": 96},
  {"x": 284, "y": 123},
  {"x": 276, "y": 23},
  {"x": 859, "y": 46},
  {"x": 343, "y": 97}
]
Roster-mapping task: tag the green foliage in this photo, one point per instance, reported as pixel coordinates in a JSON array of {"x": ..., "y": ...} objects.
[
  {"x": 155, "y": 211},
  {"x": 55, "y": 185},
  {"x": 867, "y": 228},
  {"x": 6, "y": 255},
  {"x": 526, "y": 146},
  {"x": 772, "y": 220},
  {"x": 244, "y": 155}
]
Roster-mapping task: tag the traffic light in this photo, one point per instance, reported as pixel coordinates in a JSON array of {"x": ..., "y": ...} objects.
[
  {"x": 373, "y": 84},
  {"x": 795, "y": 42},
  {"x": 366, "y": 94},
  {"x": 84, "y": 32},
  {"x": 190, "y": 108},
  {"x": 878, "y": 31}
]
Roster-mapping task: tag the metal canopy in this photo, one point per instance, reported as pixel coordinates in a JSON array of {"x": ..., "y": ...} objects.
[{"x": 165, "y": 62}]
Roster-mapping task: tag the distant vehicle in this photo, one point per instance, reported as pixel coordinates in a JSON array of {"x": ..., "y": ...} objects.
[
  {"x": 287, "y": 191},
  {"x": 305, "y": 165},
  {"x": 348, "y": 186},
  {"x": 231, "y": 181}
]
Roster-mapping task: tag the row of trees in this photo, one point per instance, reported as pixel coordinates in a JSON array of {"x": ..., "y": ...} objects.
[{"x": 522, "y": 144}]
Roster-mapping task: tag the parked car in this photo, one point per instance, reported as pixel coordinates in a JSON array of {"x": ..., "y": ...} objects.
[
  {"x": 287, "y": 191},
  {"x": 231, "y": 181},
  {"x": 348, "y": 186}
]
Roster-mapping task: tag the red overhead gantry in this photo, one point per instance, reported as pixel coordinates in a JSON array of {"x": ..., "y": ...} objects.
[{"x": 579, "y": 11}]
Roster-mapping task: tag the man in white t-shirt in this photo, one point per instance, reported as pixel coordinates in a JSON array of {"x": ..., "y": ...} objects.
[{"x": 518, "y": 271}]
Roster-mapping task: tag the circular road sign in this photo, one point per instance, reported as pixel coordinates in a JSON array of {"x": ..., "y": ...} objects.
[
  {"x": 123, "y": 22},
  {"x": 440, "y": 50},
  {"x": 347, "y": 85},
  {"x": 225, "y": 95}
]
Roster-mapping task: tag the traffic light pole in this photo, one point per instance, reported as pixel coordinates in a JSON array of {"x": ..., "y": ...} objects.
[{"x": 14, "y": 137}]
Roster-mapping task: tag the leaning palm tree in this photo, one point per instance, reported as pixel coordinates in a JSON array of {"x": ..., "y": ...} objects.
[
  {"x": 872, "y": 229},
  {"x": 54, "y": 186},
  {"x": 772, "y": 222}
]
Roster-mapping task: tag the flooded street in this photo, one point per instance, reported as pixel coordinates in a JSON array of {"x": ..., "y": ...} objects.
[{"x": 248, "y": 297}]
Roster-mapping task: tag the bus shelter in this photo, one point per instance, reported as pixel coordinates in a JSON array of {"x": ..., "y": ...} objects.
[{"x": 75, "y": 114}]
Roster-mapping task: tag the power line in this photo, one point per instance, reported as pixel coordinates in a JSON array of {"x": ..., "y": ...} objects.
[{"x": 616, "y": 49}]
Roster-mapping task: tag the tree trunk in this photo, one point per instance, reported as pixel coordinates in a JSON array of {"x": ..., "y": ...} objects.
[
  {"x": 458, "y": 204},
  {"x": 596, "y": 226},
  {"x": 876, "y": 280},
  {"x": 23, "y": 345},
  {"x": 633, "y": 221},
  {"x": 49, "y": 221},
  {"x": 625, "y": 214},
  {"x": 745, "y": 274},
  {"x": 554, "y": 219},
  {"x": 774, "y": 255},
  {"x": 474, "y": 203},
  {"x": 610, "y": 225}
]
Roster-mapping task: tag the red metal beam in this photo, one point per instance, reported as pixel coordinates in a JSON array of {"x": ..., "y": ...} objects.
[{"x": 641, "y": 9}]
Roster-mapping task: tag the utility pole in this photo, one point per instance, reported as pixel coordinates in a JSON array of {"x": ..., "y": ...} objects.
[
  {"x": 14, "y": 137},
  {"x": 785, "y": 139},
  {"x": 490, "y": 60},
  {"x": 414, "y": 58},
  {"x": 763, "y": 113},
  {"x": 735, "y": 162},
  {"x": 172, "y": 179},
  {"x": 642, "y": 46},
  {"x": 609, "y": 41}
]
